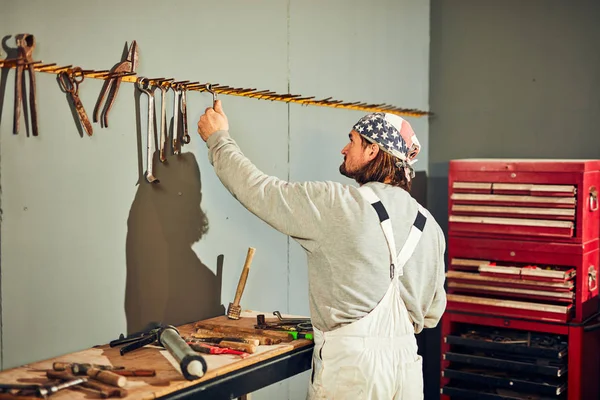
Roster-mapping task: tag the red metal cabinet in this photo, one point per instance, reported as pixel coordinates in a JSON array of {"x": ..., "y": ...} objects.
[
  {"x": 523, "y": 279},
  {"x": 548, "y": 200},
  {"x": 486, "y": 357}
]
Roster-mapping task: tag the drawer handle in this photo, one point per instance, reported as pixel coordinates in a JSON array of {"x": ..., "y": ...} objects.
[
  {"x": 592, "y": 279},
  {"x": 593, "y": 199}
]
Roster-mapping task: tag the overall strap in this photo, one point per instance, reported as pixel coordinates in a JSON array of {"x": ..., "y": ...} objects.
[
  {"x": 386, "y": 225},
  {"x": 416, "y": 231}
]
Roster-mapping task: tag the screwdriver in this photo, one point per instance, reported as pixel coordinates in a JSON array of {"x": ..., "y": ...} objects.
[{"x": 299, "y": 335}]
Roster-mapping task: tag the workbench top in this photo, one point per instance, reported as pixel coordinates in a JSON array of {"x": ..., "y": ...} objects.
[{"x": 168, "y": 378}]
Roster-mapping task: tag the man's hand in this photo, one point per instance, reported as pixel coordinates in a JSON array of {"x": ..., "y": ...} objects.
[{"x": 213, "y": 119}]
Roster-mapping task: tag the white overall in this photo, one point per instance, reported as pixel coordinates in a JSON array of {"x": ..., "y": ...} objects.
[{"x": 376, "y": 356}]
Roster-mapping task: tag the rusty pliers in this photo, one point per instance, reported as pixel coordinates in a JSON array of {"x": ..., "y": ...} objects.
[
  {"x": 26, "y": 45},
  {"x": 111, "y": 86}
]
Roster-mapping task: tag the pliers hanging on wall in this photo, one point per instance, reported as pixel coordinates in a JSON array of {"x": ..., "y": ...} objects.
[
  {"x": 111, "y": 86},
  {"x": 26, "y": 45}
]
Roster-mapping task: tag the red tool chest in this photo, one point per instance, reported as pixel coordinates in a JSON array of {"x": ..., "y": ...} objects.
[
  {"x": 523, "y": 279},
  {"x": 547, "y": 200},
  {"x": 523, "y": 252},
  {"x": 495, "y": 358}
]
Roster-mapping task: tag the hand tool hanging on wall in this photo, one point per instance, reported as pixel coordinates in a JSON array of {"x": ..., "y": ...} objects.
[
  {"x": 111, "y": 86},
  {"x": 192, "y": 365},
  {"x": 234, "y": 309},
  {"x": 208, "y": 87},
  {"x": 163, "y": 86},
  {"x": 69, "y": 81},
  {"x": 149, "y": 90},
  {"x": 185, "y": 138},
  {"x": 176, "y": 111},
  {"x": 26, "y": 45}
]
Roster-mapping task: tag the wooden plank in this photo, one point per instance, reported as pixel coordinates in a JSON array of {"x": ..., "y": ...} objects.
[{"x": 168, "y": 378}]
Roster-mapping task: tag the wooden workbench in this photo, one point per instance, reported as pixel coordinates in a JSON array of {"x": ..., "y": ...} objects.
[{"x": 227, "y": 376}]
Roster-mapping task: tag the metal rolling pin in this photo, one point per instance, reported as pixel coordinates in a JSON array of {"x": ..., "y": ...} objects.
[{"x": 191, "y": 363}]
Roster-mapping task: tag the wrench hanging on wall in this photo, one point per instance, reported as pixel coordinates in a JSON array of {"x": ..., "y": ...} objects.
[
  {"x": 149, "y": 90},
  {"x": 163, "y": 120},
  {"x": 185, "y": 137},
  {"x": 209, "y": 89},
  {"x": 176, "y": 98}
]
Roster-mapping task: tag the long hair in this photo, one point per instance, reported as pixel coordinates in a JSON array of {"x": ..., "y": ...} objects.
[{"x": 382, "y": 169}]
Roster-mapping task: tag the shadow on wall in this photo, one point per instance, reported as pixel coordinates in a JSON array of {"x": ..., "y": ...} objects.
[{"x": 166, "y": 282}]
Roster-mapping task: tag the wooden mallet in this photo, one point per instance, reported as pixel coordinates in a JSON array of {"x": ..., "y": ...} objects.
[{"x": 234, "y": 310}]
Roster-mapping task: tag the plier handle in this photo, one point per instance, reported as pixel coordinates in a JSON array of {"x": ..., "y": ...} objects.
[
  {"x": 136, "y": 341},
  {"x": 111, "y": 86},
  {"x": 26, "y": 45}
]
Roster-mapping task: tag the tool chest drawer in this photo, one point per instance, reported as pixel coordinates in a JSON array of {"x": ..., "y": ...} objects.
[
  {"x": 533, "y": 280},
  {"x": 551, "y": 200},
  {"x": 494, "y": 358}
]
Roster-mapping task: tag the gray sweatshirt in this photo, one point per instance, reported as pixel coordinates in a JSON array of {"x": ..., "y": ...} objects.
[{"x": 348, "y": 258}]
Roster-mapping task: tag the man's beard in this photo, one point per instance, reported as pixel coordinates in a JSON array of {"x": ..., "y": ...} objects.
[{"x": 350, "y": 174}]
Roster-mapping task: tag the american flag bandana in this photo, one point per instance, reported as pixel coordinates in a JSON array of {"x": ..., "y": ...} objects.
[{"x": 392, "y": 134}]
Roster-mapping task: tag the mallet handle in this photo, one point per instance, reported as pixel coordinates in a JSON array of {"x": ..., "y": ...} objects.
[{"x": 244, "y": 276}]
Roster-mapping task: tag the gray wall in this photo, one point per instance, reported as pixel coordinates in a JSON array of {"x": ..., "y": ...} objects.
[
  {"x": 510, "y": 79},
  {"x": 89, "y": 250}
]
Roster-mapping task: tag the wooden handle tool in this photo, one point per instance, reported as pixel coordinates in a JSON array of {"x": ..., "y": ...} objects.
[
  {"x": 104, "y": 390},
  {"x": 107, "y": 377},
  {"x": 234, "y": 310},
  {"x": 252, "y": 339},
  {"x": 277, "y": 336},
  {"x": 248, "y": 348}
]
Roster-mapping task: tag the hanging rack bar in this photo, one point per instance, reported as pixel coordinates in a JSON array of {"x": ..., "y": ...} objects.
[{"x": 223, "y": 89}]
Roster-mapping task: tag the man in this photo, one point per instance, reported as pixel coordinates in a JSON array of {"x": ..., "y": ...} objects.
[{"x": 366, "y": 300}]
